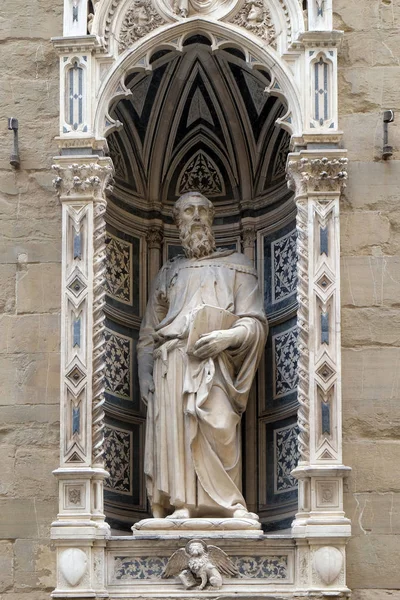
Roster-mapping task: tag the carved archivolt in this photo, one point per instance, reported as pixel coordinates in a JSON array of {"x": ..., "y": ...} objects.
[{"x": 129, "y": 21}]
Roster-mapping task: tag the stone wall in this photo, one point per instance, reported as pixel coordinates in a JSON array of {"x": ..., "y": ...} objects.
[
  {"x": 30, "y": 248},
  {"x": 369, "y": 79},
  {"x": 30, "y": 232}
]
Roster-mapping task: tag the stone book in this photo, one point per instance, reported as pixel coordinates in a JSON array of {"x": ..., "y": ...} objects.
[{"x": 207, "y": 319}]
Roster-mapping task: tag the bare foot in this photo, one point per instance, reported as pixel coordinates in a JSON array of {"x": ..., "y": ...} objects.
[{"x": 180, "y": 513}]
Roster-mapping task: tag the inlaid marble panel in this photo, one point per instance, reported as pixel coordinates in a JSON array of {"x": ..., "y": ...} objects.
[{"x": 118, "y": 459}]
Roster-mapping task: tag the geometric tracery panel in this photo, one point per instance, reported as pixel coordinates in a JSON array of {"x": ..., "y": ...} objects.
[
  {"x": 286, "y": 458},
  {"x": 118, "y": 281},
  {"x": 280, "y": 271},
  {"x": 118, "y": 364},
  {"x": 286, "y": 354},
  {"x": 284, "y": 266},
  {"x": 118, "y": 459}
]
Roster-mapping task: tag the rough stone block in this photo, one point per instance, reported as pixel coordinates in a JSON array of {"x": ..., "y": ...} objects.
[
  {"x": 371, "y": 387},
  {"x": 372, "y": 562},
  {"x": 7, "y": 462},
  {"x": 347, "y": 19},
  {"x": 39, "y": 288},
  {"x": 365, "y": 594},
  {"x": 36, "y": 19},
  {"x": 379, "y": 48},
  {"x": 29, "y": 378},
  {"x": 7, "y": 288},
  {"x": 370, "y": 326},
  {"x": 29, "y": 333},
  {"x": 370, "y": 281},
  {"x": 31, "y": 434},
  {"x": 18, "y": 519},
  {"x": 369, "y": 461},
  {"x": 363, "y": 135},
  {"x": 35, "y": 482},
  {"x": 373, "y": 186},
  {"x": 361, "y": 89},
  {"x": 362, "y": 232},
  {"x": 34, "y": 565},
  {"x": 42, "y": 414},
  {"x": 6, "y": 566}
]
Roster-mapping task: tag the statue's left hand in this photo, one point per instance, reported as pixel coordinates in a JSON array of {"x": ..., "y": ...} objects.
[{"x": 211, "y": 344}]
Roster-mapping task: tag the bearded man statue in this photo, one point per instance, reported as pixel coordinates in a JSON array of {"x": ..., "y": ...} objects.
[{"x": 199, "y": 347}]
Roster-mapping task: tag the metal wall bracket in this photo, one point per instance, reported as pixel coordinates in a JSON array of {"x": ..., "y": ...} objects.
[
  {"x": 388, "y": 117},
  {"x": 14, "y": 158}
]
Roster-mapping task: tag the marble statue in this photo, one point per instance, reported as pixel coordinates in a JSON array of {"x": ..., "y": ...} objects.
[
  {"x": 199, "y": 347},
  {"x": 199, "y": 561}
]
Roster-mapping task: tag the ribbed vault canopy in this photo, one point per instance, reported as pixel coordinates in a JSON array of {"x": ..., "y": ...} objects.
[{"x": 200, "y": 120}]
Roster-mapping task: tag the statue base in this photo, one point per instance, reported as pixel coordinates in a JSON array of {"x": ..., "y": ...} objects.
[{"x": 198, "y": 527}]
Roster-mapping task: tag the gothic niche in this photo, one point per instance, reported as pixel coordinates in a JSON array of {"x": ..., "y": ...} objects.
[{"x": 201, "y": 121}]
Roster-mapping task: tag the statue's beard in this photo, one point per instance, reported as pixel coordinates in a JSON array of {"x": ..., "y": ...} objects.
[{"x": 199, "y": 242}]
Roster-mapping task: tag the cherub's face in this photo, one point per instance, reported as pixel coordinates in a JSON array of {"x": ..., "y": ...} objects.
[
  {"x": 142, "y": 17},
  {"x": 196, "y": 549},
  {"x": 255, "y": 13}
]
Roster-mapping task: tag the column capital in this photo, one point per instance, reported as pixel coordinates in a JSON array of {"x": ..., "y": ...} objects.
[
  {"x": 248, "y": 236},
  {"x": 154, "y": 237},
  {"x": 83, "y": 177},
  {"x": 317, "y": 172}
]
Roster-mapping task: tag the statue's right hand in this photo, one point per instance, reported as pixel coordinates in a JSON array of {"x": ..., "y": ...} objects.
[{"x": 146, "y": 388}]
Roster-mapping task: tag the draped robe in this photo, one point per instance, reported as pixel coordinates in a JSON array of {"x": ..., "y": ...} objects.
[{"x": 193, "y": 445}]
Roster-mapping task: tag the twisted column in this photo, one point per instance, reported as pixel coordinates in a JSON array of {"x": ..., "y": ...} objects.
[{"x": 303, "y": 414}]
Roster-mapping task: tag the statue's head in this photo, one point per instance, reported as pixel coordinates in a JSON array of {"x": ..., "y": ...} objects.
[
  {"x": 184, "y": 207},
  {"x": 140, "y": 16},
  {"x": 196, "y": 547},
  {"x": 256, "y": 12},
  {"x": 193, "y": 214}
]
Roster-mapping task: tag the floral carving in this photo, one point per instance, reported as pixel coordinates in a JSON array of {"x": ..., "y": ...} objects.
[
  {"x": 284, "y": 265},
  {"x": 118, "y": 460},
  {"x": 261, "y": 567},
  {"x": 154, "y": 237},
  {"x": 139, "y": 20},
  {"x": 256, "y": 17},
  {"x": 286, "y": 458},
  {"x": 117, "y": 374},
  {"x": 286, "y": 355},
  {"x": 318, "y": 174},
  {"x": 249, "y": 237},
  {"x": 201, "y": 175},
  {"x": 119, "y": 267},
  {"x": 127, "y": 568},
  {"x": 74, "y": 496},
  {"x": 82, "y": 180}
]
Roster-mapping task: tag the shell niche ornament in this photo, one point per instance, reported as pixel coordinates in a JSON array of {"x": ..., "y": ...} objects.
[{"x": 199, "y": 564}]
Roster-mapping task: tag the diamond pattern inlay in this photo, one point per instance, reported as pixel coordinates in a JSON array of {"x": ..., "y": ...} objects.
[
  {"x": 76, "y": 375},
  {"x": 76, "y": 286}
]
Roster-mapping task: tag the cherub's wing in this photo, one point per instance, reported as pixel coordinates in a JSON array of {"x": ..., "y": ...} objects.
[
  {"x": 222, "y": 561},
  {"x": 177, "y": 563}
]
